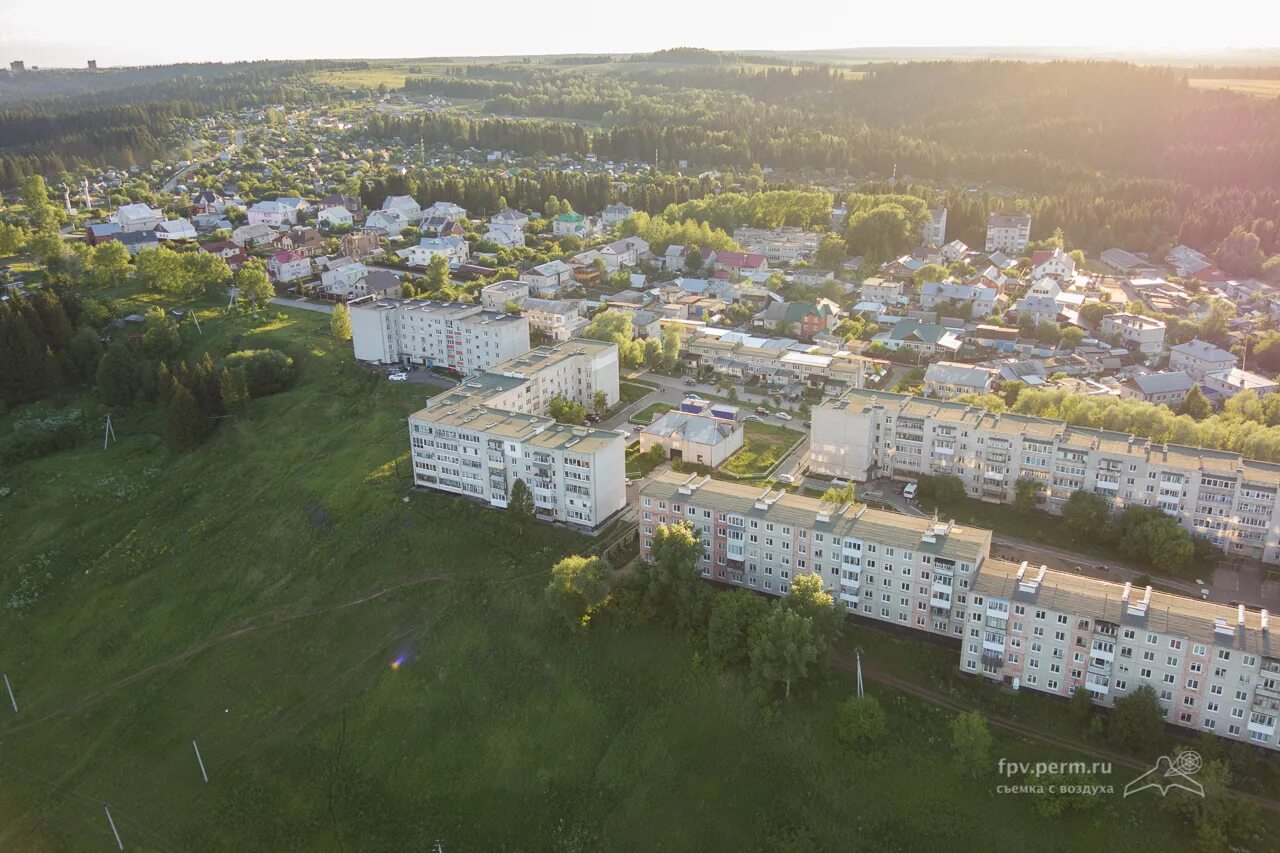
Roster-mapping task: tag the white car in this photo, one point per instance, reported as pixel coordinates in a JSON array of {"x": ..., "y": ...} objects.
[
  {"x": 909, "y": 491},
  {"x": 627, "y": 481},
  {"x": 783, "y": 416},
  {"x": 398, "y": 377},
  {"x": 624, "y": 433},
  {"x": 787, "y": 478}
]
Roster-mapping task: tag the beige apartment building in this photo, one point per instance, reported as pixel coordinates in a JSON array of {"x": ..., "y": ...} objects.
[
  {"x": 479, "y": 438},
  {"x": 1213, "y": 666},
  {"x": 461, "y": 336},
  {"x": 1214, "y": 494}
]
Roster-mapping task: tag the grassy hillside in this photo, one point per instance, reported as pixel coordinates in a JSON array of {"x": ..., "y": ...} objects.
[{"x": 254, "y": 595}]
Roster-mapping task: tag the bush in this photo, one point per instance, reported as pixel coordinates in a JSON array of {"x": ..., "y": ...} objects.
[
  {"x": 34, "y": 437},
  {"x": 268, "y": 371}
]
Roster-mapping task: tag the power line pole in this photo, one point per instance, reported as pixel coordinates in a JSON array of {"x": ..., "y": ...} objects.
[
  {"x": 858, "y": 655},
  {"x": 108, "y": 432},
  {"x": 9, "y": 687},
  {"x": 119, "y": 843}
]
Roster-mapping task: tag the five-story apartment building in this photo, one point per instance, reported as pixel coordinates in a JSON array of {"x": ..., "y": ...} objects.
[
  {"x": 460, "y": 336},
  {"x": 1217, "y": 495}
]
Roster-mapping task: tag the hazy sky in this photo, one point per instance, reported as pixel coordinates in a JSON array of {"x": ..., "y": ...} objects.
[{"x": 67, "y": 32}]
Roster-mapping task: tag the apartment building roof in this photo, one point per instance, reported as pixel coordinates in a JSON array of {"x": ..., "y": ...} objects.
[
  {"x": 535, "y": 430},
  {"x": 467, "y": 312},
  {"x": 851, "y": 520},
  {"x": 540, "y": 358},
  {"x": 1221, "y": 462},
  {"x": 1164, "y": 382},
  {"x": 1200, "y": 621},
  {"x": 1001, "y": 220},
  {"x": 956, "y": 373}
]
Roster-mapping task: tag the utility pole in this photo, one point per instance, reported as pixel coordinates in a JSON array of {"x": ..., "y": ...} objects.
[
  {"x": 108, "y": 433},
  {"x": 107, "y": 809},
  {"x": 858, "y": 656},
  {"x": 9, "y": 687}
]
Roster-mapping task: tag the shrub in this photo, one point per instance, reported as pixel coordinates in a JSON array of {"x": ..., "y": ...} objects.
[
  {"x": 268, "y": 371},
  {"x": 34, "y": 437}
]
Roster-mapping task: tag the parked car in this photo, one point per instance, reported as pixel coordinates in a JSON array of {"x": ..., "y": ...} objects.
[
  {"x": 690, "y": 382},
  {"x": 624, "y": 433},
  {"x": 783, "y": 416},
  {"x": 398, "y": 376},
  {"x": 787, "y": 478},
  {"x": 910, "y": 489},
  {"x": 762, "y": 411}
]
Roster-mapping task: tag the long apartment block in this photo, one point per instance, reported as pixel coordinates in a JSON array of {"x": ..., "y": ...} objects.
[
  {"x": 477, "y": 439},
  {"x": 460, "y": 336},
  {"x": 1213, "y": 666},
  {"x": 1216, "y": 495}
]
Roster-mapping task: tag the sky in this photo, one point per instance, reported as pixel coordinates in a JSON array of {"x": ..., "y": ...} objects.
[{"x": 69, "y": 32}]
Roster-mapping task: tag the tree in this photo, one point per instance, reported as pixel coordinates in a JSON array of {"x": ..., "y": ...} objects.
[
  {"x": 674, "y": 583},
  {"x": 164, "y": 270},
  {"x": 520, "y": 504},
  {"x": 861, "y": 722},
  {"x": 160, "y": 338},
  {"x": 340, "y": 323},
  {"x": 734, "y": 616},
  {"x": 839, "y": 494},
  {"x": 832, "y": 251},
  {"x": 85, "y": 353},
  {"x": 122, "y": 375},
  {"x": 808, "y": 598},
  {"x": 437, "y": 273},
  {"x": 253, "y": 285},
  {"x": 927, "y": 273},
  {"x": 670, "y": 345},
  {"x": 1081, "y": 707},
  {"x": 1240, "y": 253},
  {"x": 186, "y": 428},
  {"x": 1071, "y": 337},
  {"x": 41, "y": 214},
  {"x": 1137, "y": 721},
  {"x": 577, "y": 587},
  {"x": 1196, "y": 405},
  {"x": 783, "y": 647},
  {"x": 1026, "y": 494},
  {"x": 13, "y": 238},
  {"x": 234, "y": 389},
  {"x": 110, "y": 264},
  {"x": 566, "y": 411},
  {"x": 600, "y": 403},
  {"x": 207, "y": 272},
  {"x": 948, "y": 489},
  {"x": 971, "y": 742},
  {"x": 1085, "y": 512}
]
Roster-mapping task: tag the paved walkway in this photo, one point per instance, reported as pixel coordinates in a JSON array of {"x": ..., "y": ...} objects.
[{"x": 318, "y": 307}]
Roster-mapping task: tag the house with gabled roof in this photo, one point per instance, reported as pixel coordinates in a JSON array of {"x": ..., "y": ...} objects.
[{"x": 405, "y": 206}]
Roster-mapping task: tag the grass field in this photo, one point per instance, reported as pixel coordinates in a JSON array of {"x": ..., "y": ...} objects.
[
  {"x": 645, "y": 416},
  {"x": 1258, "y": 88},
  {"x": 253, "y": 595},
  {"x": 762, "y": 446}
]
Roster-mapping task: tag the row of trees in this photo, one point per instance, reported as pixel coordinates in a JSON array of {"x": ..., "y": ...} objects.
[{"x": 615, "y": 326}]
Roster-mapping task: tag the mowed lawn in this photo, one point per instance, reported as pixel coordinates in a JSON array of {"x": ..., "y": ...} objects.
[{"x": 253, "y": 596}]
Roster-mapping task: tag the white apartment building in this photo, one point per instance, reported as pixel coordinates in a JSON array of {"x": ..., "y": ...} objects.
[
  {"x": 884, "y": 292},
  {"x": 934, "y": 232},
  {"x": 1008, "y": 232},
  {"x": 1216, "y": 495},
  {"x": 460, "y": 336},
  {"x": 1213, "y": 667},
  {"x": 779, "y": 245},
  {"x": 1145, "y": 334},
  {"x": 900, "y": 569},
  {"x": 138, "y": 217},
  {"x": 479, "y": 438},
  {"x": 1200, "y": 358}
]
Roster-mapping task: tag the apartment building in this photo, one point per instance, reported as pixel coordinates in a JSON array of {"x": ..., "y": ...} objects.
[
  {"x": 1200, "y": 358},
  {"x": 494, "y": 297},
  {"x": 1008, "y": 232},
  {"x": 1145, "y": 334},
  {"x": 491, "y": 430},
  {"x": 779, "y": 245},
  {"x": 908, "y": 571},
  {"x": 947, "y": 379},
  {"x": 460, "y": 336},
  {"x": 934, "y": 232},
  {"x": 1216, "y": 495},
  {"x": 555, "y": 318},
  {"x": 1213, "y": 666}
]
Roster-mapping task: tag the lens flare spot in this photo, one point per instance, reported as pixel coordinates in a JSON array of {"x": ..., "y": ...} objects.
[{"x": 397, "y": 663}]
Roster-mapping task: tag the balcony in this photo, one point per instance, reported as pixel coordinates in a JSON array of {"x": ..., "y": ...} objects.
[
  {"x": 848, "y": 597},
  {"x": 993, "y": 658},
  {"x": 1100, "y": 650},
  {"x": 938, "y": 602},
  {"x": 735, "y": 551},
  {"x": 1262, "y": 724},
  {"x": 993, "y": 646},
  {"x": 1100, "y": 684}
]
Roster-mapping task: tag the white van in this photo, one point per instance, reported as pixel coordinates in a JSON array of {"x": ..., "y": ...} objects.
[{"x": 910, "y": 489}]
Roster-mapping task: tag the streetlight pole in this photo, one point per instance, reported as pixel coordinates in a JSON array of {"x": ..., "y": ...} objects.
[{"x": 857, "y": 652}]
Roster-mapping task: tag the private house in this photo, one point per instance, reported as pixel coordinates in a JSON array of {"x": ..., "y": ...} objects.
[
  {"x": 350, "y": 204},
  {"x": 646, "y": 324},
  {"x": 294, "y": 208},
  {"x": 272, "y": 214},
  {"x": 626, "y": 252},
  {"x": 615, "y": 213},
  {"x": 136, "y": 241},
  {"x": 947, "y": 379},
  {"x": 924, "y": 338},
  {"x": 335, "y": 217},
  {"x": 392, "y": 223},
  {"x": 360, "y": 244},
  {"x": 1053, "y": 263},
  {"x": 698, "y": 439},
  {"x": 1008, "y": 233},
  {"x": 377, "y": 283},
  {"x": 208, "y": 202},
  {"x": 176, "y": 229},
  {"x": 883, "y": 291},
  {"x": 1127, "y": 263},
  {"x": 740, "y": 263},
  {"x": 1222, "y": 384},
  {"x": 1145, "y": 334},
  {"x": 555, "y": 318},
  {"x": 439, "y": 225},
  {"x": 251, "y": 236},
  {"x": 904, "y": 268},
  {"x": 494, "y": 297},
  {"x": 954, "y": 251},
  {"x": 509, "y": 218},
  {"x": 569, "y": 225},
  {"x": 506, "y": 236},
  {"x": 547, "y": 279},
  {"x": 341, "y": 275},
  {"x": 1037, "y": 309},
  {"x": 227, "y": 250},
  {"x": 405, "y": 207},
  {"x": 208, "y": 222},
  {"x": 453, "y": 249},
  {"x": 138, "y": 217},
  {"x": 936, "y": 295},
  {"x": 1186, "y": 261},
  {"x": 802, "y": 319},
  {"x": 288, "y": 266},
  {"x": 446, "y": 209},
  {"x": 102, "y": 232},
  {"x": 1169, "y": 387},
  {"x": 1200, "y": 358},
  {"x": 306, "y": 241}
]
